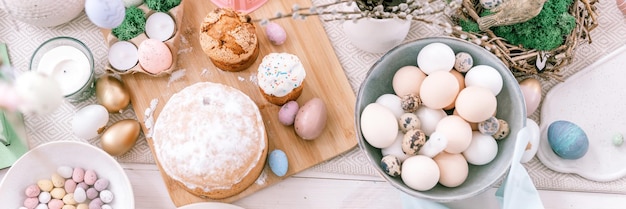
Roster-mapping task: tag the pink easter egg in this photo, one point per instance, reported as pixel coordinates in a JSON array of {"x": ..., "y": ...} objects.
[
  {"x": 621, "y": 5},
  {"x": 154, "y": 56}
]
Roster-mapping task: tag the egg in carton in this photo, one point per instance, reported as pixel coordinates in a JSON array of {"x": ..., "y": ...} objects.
[{"x": 152, "y": 54}]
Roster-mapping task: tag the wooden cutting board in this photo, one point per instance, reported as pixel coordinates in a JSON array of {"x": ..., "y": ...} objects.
[{"x": 325, "y": 79}]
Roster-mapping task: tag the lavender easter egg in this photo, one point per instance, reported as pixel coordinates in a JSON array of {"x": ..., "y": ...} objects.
[{"x": 567, "y": 140}]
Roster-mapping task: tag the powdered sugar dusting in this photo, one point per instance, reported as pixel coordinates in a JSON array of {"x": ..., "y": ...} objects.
[
  {"x": 148, "y": 118},
  {"x": 176, "y": 75},
  {"x": 185, "y": 50},
  {"x": 205, "y": 72},
  {"x": 240, "y": 78},
  {"x": 262, "y": 178},
  {"x": 209, "y": 145}
]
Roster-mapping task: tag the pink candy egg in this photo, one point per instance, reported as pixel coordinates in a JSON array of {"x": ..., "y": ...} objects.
[
  {"x": 78, "y": 175},
  {"x": 287, "y": 113},
  {"x": 31, "y": 202},
  {"x": 32, "y": 191},
  {"x": 70, "y": 186},
  {"x": 90, "y": 177},
  {"x": 275, "y": 33},
  {"x": 154, "y": 56}
]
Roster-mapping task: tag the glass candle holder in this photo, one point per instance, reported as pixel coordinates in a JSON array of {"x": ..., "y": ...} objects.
[{"x": 70, "y": 62}]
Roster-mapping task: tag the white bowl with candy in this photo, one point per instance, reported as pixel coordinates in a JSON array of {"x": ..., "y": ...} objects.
[
  {"x": 436, "y": 127},
  {"x": 66, "y": 175}
]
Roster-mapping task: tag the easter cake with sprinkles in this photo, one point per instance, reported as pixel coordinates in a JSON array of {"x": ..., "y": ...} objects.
[
  {"x": 210, "y": 138},
  {"x": 281, "y": 78}
]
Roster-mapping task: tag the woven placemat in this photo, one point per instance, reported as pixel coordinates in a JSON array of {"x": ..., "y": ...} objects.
[{"x": 22, "y": 40}]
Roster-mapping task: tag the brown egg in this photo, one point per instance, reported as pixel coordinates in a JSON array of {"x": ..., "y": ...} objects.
[
  {"x": 111, "y": 93},
  {"x": 120, "y": 137},
  {"x": 459, "y": 77}
]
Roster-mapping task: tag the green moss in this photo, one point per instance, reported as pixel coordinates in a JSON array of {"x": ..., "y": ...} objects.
[
  {"x": 546, "y": 31},
  {"x": 162, "y": 5},
  {"x": 469, "y": 25},
  {"x": 134, "y": 24}
]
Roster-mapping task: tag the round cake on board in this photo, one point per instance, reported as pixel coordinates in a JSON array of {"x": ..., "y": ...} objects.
[{"x": 210, "y": 138}]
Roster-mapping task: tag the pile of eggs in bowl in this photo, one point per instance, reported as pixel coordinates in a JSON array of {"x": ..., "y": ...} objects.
[{"x": 440, "y": 119}]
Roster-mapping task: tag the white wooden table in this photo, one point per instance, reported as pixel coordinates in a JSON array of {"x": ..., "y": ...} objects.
[{"x": 310, "y": 189}]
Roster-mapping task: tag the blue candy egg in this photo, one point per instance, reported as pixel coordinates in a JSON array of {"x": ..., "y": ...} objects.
[
  {"x": 278, "y": 162},
  {"x": 567, "y": 140}
]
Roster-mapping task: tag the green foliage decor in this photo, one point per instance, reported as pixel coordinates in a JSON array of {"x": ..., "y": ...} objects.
[
  {"x": 546, "y": 31},
  {"x": 133, "y": 25},
  {"x": 162, "y": 5}
]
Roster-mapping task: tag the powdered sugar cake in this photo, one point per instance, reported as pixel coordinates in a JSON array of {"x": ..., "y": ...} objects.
[{"x": 210, "y": 138}]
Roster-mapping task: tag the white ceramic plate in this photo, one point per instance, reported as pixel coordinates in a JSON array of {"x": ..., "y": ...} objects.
[
  {"x": 595, "y": 100},
  {"x": 42, "y": 161},
  {"x": 210, "y": 205}
]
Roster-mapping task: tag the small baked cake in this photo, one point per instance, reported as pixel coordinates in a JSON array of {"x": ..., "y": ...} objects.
[
  {"x": 229, "y": 39},
  {"x": 210, "y": 138},
  {"x": 281, "y": 77}
]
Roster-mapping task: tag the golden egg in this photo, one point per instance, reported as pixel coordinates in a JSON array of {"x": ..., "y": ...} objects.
[
  {"x": 120, "y": 137},
  {"x": 112, "y": 93}
]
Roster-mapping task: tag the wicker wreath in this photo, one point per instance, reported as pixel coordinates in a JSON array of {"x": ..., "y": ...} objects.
[{"x": 521, "y": 61}]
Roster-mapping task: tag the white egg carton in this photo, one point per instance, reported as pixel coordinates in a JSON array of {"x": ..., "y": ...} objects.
[{"x": 173, "y": 43}]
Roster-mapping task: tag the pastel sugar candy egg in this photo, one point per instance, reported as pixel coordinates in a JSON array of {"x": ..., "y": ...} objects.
[
  {"x": 617, "y": 139},
  {"x": 57, "y": 180},
  {"x": 82, "y": 206},
  {"x": 503, "y": 130},
  {"x": 70, "y": 185},
  {"x": 154, "y": 56},
  {"x": 275, "y": 33},
  {"x": 435, "y": 57},
  {"x": 287, "y": 113},
  {"x": 489, "y": 126},
  {"x": 65, "y": 171},
  {"x": 78, "y": 175},
  {"x": 101, "y": 184},
  {"x": 410, "y": 102},
  {"x": 105, "y": 206},
  {"x": 391, "y": 102},
  {"x": 453, "y": 169},
  {"x": 96, "y": 203},
  {"x": 463, "y": 62},
  {"x": 32, "y": 191},
  {"x": 391, "y": 165},
  {"x": 484, "y": 76},
  {"x": 44, "y": 197},
  {"x": 92, "y": 193},
  {"x": 395, "y": 149},
  {"x": 106, "y": 196},
  {"x": 80, "y": 195},
  {"x": 407, "y": 80},
  {"x": 482, "y": 149},
  {"x": 378, "y": 125},
  {"x": 457, "y": 131},
  {"x": 412, "y": 142},
  {"x": 490, "y": 4},
  {"x": 429, "y": 118},
  {"x": 68, "y": 199},
  {"x": 82, "y": 185},
  {"x": 43, "y": 206},
  {"x": 31, "y": 202},
  {"x": 57, "y": 193},
  {"x": 90, "y": 177},
  {"x": 435, "y": 144},
  {"x": 68, "y": 207},
  {"x": 278, "y": 162},
  {"x": 567, "y": 140},
  {"x": 408, "y": 121},
  {"x": 45, "y": 185},
  {"x": 420, "y": 173},
  {"x": 55, "y": 204},
  {"x": 439, "y": 89}
]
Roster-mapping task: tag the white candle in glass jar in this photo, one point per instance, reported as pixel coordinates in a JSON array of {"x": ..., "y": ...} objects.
[
  {"x": 123, "y": 55},
  {"x": 160, "y": 26},
  {"x": 69, "y": 66}
]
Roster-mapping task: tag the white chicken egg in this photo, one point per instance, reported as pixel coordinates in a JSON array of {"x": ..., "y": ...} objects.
[
  {"x": 429, "y": 118},
  {"x": 378, "y": 125},
  {"x": 434, "y": 57},
  {"x": 420, "y": 173},
  {"x": 395, "y": 149},
  {"x": 105, "y": 13},
  {"x": 484, "y": 76},
  {"x": 482, "y": 150},
  {"x": 533, "y": 142},
  {"x": 89, "y": 121},
  {"x": 391, "y": 102}
]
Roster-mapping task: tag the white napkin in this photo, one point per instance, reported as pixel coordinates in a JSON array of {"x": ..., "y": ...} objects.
[{"x": 517, "y": 190}]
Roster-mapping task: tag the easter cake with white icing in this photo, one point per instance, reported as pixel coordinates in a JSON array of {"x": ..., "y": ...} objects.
[
  {"x": 281, "y": 77},
  {"x": 210, "y": 138}
]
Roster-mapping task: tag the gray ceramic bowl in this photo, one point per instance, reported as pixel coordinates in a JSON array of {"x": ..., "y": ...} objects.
[{"x": 511, "y": 108}]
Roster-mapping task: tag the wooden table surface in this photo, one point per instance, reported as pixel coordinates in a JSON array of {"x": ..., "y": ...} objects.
[{"x": 311, "y": 189}]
